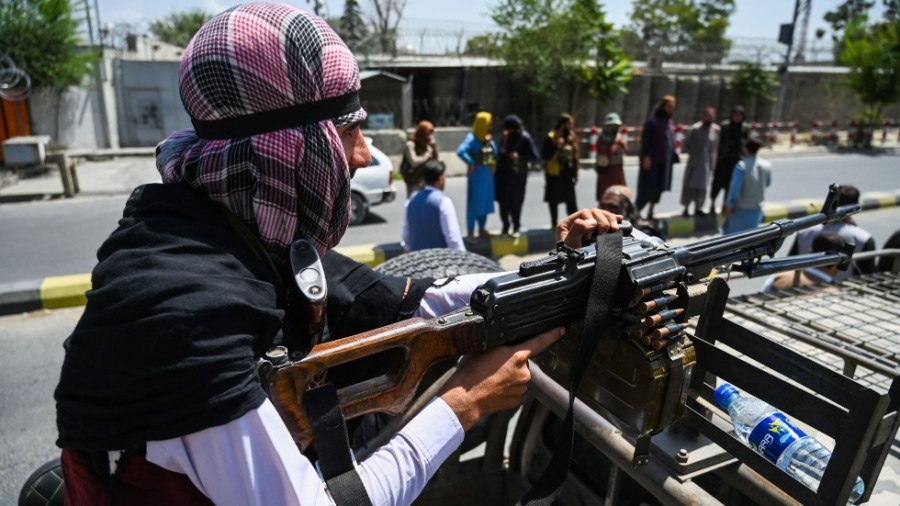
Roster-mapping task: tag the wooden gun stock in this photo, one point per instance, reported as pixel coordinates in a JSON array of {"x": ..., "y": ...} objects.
[{"x": 423, "y": 343}]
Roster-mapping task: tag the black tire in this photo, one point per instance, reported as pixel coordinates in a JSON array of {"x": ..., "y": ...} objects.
[
  {"x": 44, "y": 487},
  {"x": 438, "y": 263},
  {"x": 359, "y": 208}
]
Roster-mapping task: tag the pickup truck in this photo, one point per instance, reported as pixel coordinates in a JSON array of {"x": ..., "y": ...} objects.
[{"x": 837, "y": 344}]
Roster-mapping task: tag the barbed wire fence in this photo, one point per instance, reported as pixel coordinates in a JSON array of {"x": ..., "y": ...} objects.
[
  {"x": 431, "y": 37},
  {"x": 15, "y": 83}
]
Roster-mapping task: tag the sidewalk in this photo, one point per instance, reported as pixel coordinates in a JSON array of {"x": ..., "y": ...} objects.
[{"x": 108, "y": 172}]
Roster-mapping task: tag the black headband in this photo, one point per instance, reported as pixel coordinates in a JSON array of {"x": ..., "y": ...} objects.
[{"x": 277, "y": 119}]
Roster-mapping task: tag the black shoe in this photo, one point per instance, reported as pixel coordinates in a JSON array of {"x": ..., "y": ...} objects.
[
  {"x": 698, "y": 212},
  {"x": 685, "y": 213}
]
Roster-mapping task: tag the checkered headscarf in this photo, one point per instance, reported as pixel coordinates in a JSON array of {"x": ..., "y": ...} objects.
[{"x": 284, "y": 182}]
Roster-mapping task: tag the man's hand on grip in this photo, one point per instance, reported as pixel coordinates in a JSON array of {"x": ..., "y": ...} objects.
[
  {"x": 494, "y": 380},
  {"x": 580, "y": 228}
]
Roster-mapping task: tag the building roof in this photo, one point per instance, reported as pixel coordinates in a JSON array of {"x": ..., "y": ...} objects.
[{"x": 368, "y": 74}]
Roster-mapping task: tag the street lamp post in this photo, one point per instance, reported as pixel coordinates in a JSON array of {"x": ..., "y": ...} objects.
[{"x": 786, "y": 37}]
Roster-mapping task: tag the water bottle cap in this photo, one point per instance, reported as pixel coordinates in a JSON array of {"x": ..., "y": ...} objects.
[{"x": 723, "y": 393}]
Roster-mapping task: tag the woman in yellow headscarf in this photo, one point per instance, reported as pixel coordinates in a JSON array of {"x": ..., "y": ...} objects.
[{"x": 479, "y": 151}]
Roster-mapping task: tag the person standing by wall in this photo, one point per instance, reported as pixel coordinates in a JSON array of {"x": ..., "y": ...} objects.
[
  {"x": 743, "y": 205},
  {"x": 479, "y": 151},
  {"x": 560, "y": 154},
  {"x": 733, "y": 135},
  {"x": 516, "y": 153},
  {"x": 431, "y": 220},
  {"x": 420, "y": 148},
  {"x": 657, "y": 156},
  {"x": 611, "y": 149},
  {"x": 701, "y": 145}
]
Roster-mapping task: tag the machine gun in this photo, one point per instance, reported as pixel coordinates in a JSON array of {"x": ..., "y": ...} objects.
[{"x": 643, "y": 365}]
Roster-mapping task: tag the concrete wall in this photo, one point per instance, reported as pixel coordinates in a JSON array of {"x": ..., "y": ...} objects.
[
  {"x": 149, "y": 104},
  {"x": 79, "y": 123},
  {"x": 139, "y": 105},
  {"x": 450, "y": 97}
]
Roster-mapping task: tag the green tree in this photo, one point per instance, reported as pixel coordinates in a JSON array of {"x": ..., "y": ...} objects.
[
  {"x": 352, "y": 27},
  {"x": 482, "y": 45},
  {"x": 846, "y": 13},
  {"x": 892, "y": 10},
  {"x": 41, "y": 37},
  {"x": 873, "y": 54},
  {"x": 682, "y": 30},
  {"x": 752, "y": 80},
  {"x": 547, "y": 43},
  {"x": 179, "y": 27}
]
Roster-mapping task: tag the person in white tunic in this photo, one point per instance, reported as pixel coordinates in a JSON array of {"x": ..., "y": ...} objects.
[{"x": 701, "y": 145}]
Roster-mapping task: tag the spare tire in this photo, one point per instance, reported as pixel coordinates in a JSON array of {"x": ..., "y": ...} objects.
[
  {"x": 438, "y": 263},
  {"x": 44, "y": 487}
]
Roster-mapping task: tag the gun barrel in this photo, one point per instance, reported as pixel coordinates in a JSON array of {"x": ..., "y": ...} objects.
[
  {"x": 795, "y": 263},
  {"x": 721, "y": 247}
]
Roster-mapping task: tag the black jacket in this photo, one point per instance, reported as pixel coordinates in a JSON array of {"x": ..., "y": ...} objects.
[{"x": 180, "y": 310}]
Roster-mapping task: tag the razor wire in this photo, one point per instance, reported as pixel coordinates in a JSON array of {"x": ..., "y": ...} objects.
[{"x": 15, "y": 83}]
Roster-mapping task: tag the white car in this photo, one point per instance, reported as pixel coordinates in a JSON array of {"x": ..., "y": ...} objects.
[{"x": 372, "y": 185}]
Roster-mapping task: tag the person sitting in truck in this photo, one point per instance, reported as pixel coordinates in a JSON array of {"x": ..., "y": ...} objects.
[
  {"x": 617, "y": 200},
  {"x": 159, "y": 400},
  {"x": 824, "y": 241},
  {"x": 847, "y": 229}
]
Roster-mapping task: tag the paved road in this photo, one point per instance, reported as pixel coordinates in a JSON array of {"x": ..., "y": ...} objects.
[
  {"x": 60, "y": 237},
  {"x": 793, "y": 178},
  {"x": 31, "y": 355}
]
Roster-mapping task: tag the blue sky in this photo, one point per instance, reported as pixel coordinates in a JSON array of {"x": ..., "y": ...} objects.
[{"x": 752, "y": 19}]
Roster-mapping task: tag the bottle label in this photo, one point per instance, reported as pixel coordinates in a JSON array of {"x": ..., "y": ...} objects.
[{"x": 772, "y": 435}]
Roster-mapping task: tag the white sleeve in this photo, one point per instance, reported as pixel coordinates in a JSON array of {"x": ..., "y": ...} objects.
[
  {"x": 404, "y": 235},
  {"x": 456, "y": 293},
  {"x": 450, "y": 225},
  {"x": 253, "y": 460}
]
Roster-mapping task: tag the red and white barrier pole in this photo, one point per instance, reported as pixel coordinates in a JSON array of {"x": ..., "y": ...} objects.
[
  {"x": 772, "y": 135},
  {"x": 624, "y": 132},
  {"x": 814, "y": 133},
  {"x": 592, "y": 142},
  {"x": 794, "y": 127},
  {"x": 679, "y": 137},
  {"x": 833, "y": 135}
]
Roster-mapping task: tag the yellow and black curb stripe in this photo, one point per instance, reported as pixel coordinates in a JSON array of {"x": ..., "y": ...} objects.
[
  {"x": 48, "y": 293},
  {"x": 675, "y": 225},
  {"x": 68, "y": 291}
]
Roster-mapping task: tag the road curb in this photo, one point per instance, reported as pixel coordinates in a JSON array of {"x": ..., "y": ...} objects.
[{"x": 69, "y": 291}]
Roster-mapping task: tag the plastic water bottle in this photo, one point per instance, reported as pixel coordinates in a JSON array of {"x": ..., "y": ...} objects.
[{"x": 773, "y": 436}]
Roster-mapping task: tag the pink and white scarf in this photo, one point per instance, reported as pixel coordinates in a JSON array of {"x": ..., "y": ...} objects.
[{"x": 253, "y": 60}]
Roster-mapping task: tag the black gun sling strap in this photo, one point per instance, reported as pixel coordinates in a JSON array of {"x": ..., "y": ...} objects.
[
  {"x": 336, "y": 464},
  {"x": 603, "y": 289}
]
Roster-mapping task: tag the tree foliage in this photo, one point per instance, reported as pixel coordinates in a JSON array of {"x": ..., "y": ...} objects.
[
  {"x": 751, "y": 79},
  {"x": 681, "y": 30},
  {"x": 846, "y": 13},
  {"x": 546, "y": 43},
  {"x": 892, "y": 10},
  {"x": 179, "y": 27},
  {"x": 41, "y": 37},
  {"x": 873, "y": 54},
  {"x": 352, "y": 27},
  {"x": 482, "y": 45}
]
